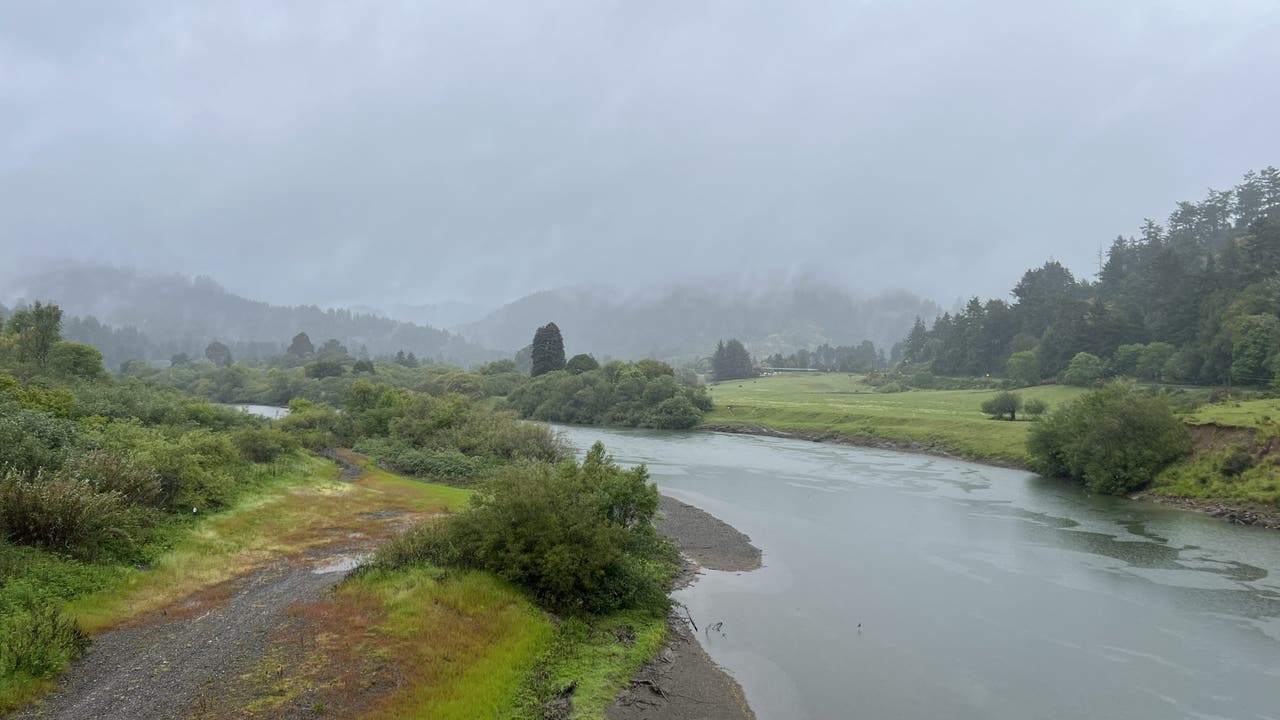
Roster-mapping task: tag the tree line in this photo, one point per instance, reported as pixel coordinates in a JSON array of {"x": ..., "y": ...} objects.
[{"x": 1194, "y": 300}]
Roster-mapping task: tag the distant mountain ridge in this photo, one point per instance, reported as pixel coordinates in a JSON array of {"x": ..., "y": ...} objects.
[
  {"x": 129, "y": 314},
  {"x": 685, "y": 321}
]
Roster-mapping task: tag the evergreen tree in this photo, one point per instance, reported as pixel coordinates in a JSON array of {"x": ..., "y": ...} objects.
[
  {"x": 548, "y": 350},
  {"x": 731, "y": 361},
  {"x": 301, "y": 346},
  {"x": 37, "y": 329}
]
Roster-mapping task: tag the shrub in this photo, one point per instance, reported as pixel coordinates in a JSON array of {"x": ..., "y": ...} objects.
[
  {"x": 447, "y": 464},
  {"x": 579, "y": 537},
  {"x": 37, "y": 641},
  {"x": 135, "y": 481},
  {"x": 61, "y": 513},
  {"x": 1005, "y": 403},
  {"x": 891, "y": 387},
  {"x": 1035, "y": 407},
  {"x": 32, "y": 440},
  {"x": 263, "y": 444},
  {"x": 1114, "y": 440},
  {"x": 1084, "y": 369}
]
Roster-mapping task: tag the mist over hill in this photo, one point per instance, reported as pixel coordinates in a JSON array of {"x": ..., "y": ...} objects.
[
  {"x": 129, "y": 315},
  {"x": 685, "y": 321}
]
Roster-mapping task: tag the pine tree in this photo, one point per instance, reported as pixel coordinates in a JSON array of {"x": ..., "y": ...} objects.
[
  {"x": 301, "y": 346},
  {"x": 548, "y": 350},
  {"x": 731, "y": 361}
]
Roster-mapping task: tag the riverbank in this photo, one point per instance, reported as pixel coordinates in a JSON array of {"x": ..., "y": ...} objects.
[
  {"x": 1236, "y": 512},
  {"x": 683, "y": 682}
]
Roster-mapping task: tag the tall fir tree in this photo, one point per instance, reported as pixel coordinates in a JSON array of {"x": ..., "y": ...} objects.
[{"x": 548, "y": 350}]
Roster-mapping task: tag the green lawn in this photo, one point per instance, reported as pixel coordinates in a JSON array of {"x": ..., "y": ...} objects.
[
  {"x": 836, "y": 402},
  {"x": 1262, "y": 415}
]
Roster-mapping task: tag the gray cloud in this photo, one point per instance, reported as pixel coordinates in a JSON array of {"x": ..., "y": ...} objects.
[{"x": 339, "y": 152}]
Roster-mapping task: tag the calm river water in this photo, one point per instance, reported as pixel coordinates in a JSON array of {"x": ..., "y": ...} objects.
[{"x": 982, "y": 592}]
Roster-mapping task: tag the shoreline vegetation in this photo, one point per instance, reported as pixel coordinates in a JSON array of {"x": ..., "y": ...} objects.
[{"x": 1230, "y": 473}]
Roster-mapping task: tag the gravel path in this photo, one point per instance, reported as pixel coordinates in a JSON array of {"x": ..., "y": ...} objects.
[{"x": 156, "y": 671}]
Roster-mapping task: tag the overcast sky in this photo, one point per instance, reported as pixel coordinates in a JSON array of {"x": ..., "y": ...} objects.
[{"x": 346, "y": 152}]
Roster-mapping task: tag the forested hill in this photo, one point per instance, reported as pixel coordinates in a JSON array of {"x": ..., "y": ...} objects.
[
  {"x": 686, "y": 321},
  {"x": 129, "y": 315},
  {"x": 1194, "y": 300}
]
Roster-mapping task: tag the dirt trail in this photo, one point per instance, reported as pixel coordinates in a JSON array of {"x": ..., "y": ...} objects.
[{"x": 156, "y": 670}]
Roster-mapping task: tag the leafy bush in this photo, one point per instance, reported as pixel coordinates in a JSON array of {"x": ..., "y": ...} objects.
[
  {"x": 62, "y": 513},
  {"x": 1035, "y": 407},
  {"x": 32, "y": 440},
  {"x": 1005, "y": 403},
  {"x": 449, "y": 464},
  {"x": 1084, "y": 369},
  {"x": 1113, "y": 439},
  {"x": 579, "y": 537},
  {"x": 639, "y": 394},
  {"x": 136, "y": 482},
  {"x": 263, "y": 444}
]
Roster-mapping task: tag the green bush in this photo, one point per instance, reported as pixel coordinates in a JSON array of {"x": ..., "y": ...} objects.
[
  {"x": 579, "y": 537},
  {"x": 135, "y": 481},
  {"x": 1005, "y": 403},
  {"x": 63, "y": 514},
  {"x": 1114, "y": 440},
  {"x": 447, "y": 464},
  {"x": 263, "y": 444},
  {"x": 31, "y": 440},
  {"x": 1035, "y": 407},
  {"x": 37, "y": 641}
]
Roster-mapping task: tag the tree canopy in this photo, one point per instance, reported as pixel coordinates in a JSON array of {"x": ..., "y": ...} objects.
[{"x": 547, "y": 352}]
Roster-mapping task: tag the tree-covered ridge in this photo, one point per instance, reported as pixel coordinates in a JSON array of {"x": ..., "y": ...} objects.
[
  {"x": 1194, "y": 300},
  {"x": 129, "y": 315}
]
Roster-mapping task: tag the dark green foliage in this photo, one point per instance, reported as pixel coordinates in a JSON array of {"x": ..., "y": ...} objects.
[
  {"x": 324, "y": 368},
  {"x": 301, "y": 346},
  {"x": 76, "y": 360},
  {"x": 581, "y": 363},
  {"x": 547, "y": 353},
  {"x": 1194, "y": 302},
  {"x": 730, "y": 361},
  {"x": 579, "y": 537},
  {"x": 641, "y": 394},
  {"x": 31, "y": 440},
  {"x": 448, "y": 464},
  {"x": 218, "y": 354},
  {"x": 1114, "y": 440},
  {"x": 1005, "y": 403},
  {"x": 260, "y": 444},
  {"x": 36, "y": 330},
  {"x": 136, "y": 482},
  {"x": 841, "y": 358}
]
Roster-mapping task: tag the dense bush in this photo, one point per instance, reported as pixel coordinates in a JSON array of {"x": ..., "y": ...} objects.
[
  {"x": 63, "y": 513},
  {"x": 37, "y": 641},
  {"x": 579, "y": 537},
  {"x": 31, "y": 440},
  {"x": 641, "y": 394},
  {"x": 1005, "y": 403},
  {"x": 1114, "y": 439}
]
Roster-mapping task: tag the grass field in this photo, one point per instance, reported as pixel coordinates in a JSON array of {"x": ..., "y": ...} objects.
[
  {"x": 1261, "y": 415},
  {"x": 836, "y": 402}
]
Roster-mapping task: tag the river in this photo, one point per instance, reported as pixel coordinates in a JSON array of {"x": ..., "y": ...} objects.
[{"x": 981, "y": 592}]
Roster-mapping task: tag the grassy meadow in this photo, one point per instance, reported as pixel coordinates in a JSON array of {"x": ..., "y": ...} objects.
[{"x": 844, "y": 404}]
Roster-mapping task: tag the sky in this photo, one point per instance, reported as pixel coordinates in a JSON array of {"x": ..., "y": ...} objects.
[{"x": 308, "y": 151}]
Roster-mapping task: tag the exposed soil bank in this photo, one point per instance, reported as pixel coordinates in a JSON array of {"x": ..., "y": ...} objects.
[
  {"x": 1235, "y": 512},
  {"x": 683, "y": 682}
]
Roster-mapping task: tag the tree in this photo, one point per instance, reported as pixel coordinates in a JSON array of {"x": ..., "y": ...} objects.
[
  {"x": 731, "y": 361},
  {"x": 76, "y": 360},
  {"x": 548, "y": 350},
  {"x": 1114, "y": 440},
  {"x": 332, "y": 349},
  {"x": 36, "y": 329},
  {"x": 1023, "y": 368},
  {"x": 581, "y": 363},
  {"x": 1084, "y": 369},
  {"x": 324, "y": 368},
  {"x": 180, "y": 360},
  {"x": 301, "y": 346},
  {"x": 219, "y": 354},
  {"x": 1005, "y": 403},
  {"x": 1035, "y": 407},
  {"x": 363, "y": 366}
]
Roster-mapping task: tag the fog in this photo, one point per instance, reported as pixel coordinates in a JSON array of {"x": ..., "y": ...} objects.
[{"x": 382, "y": 153}]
